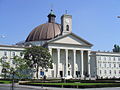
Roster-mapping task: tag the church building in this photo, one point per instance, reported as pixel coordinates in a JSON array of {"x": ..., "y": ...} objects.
[{"x": 71, "y": 54}]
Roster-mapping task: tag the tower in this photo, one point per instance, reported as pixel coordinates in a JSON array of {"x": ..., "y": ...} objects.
[
  {"x": 66, "y": 23},
  {"x": 51, "y": 17}
]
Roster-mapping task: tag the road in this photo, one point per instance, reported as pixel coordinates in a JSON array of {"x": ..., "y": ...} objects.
[{"x": 22, "y": 87}]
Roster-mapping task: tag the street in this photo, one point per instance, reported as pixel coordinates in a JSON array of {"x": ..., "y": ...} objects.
[{"x": 25, "y": 87}]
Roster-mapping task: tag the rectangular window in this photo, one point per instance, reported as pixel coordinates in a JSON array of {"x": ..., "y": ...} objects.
[
  {"x": 118, "y": 58},
  {"x": 105, "y": 71},
  {"x": 114, "y": 58},
  {"x": 104, "y": 58},
  {"x": 100, "y": 71},
  {"x": 109, "y": 64},
  {"x": 110, "y": 71},
  {"x": 114, "y": 71},
  {"x": 105, "y": 65},
  {"x": 5, "y": 53},
  {"x": 68, "y": 72},
  {"x": 109, "y": 58},
  {"x": 114, "y": 65},
  {"x": 13, "y": 54},
  {"x": 100, "y": 64}
]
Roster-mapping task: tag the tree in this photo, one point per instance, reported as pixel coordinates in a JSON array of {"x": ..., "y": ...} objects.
[
  {"x": 116, "y": 48},
  {"x": 5, "y": 68},
  {"x": 15, "y": 70},
  {"x": 18, "y": 66},
  {"x": 37, "y": 57}
]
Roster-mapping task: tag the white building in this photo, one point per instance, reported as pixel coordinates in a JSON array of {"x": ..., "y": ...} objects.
[{"x": 71, "y": 54}]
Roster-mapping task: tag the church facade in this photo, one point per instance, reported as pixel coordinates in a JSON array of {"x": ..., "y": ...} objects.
[{"x": 71, "y": 54}]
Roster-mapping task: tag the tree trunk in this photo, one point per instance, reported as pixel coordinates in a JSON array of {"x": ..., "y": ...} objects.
[{"x": 37, "y": 72}]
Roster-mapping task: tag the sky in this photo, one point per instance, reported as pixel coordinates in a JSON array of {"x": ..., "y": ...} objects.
[{"x": 94, "y": 20}]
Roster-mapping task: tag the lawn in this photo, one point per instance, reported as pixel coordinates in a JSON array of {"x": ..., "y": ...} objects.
[{"x": 5, "y": 82}]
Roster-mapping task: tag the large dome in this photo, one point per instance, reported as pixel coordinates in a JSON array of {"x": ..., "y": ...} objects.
[{"x": 45, "y": 31}]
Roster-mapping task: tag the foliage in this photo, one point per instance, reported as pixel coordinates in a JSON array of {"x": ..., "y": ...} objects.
[
  {"x": 18, "y": 67},
  {"x": 116, "y": 48},
  {"x": 37, "y": 57}
]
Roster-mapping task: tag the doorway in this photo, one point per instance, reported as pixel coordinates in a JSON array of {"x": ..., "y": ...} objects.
[{"x": 61, "y": 73}]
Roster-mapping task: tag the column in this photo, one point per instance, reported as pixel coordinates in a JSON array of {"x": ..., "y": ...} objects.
[
  {"x": 50, "y": 50},
  {"x": 89, "y": 63},
  {"x": 82, "y": 64},
  {"x": 74, "y": 63},
  {"x": 58, "y": 62},
  {"x": 66, "y": 62}
]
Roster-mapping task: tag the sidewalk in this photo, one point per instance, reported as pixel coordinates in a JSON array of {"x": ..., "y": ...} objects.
[
  {"x": 37, "y": 87},
  {"x": 55, "y": 88}
]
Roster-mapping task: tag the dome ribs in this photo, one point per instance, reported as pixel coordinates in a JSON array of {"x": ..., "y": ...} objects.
[{"x": 45, "y": 31}]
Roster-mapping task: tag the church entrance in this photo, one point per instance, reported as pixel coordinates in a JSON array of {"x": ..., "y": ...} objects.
[
  {"x": 78, "y": 73},
  {"x": 61, "y": 73}
]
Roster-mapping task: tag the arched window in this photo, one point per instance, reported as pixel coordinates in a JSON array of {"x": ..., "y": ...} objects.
[{"x": 67, "y": 27}]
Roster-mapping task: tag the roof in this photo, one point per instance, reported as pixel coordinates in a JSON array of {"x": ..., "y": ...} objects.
[
  {"x": 45, "y": 31},
  {"x": 62, "y": 36}
]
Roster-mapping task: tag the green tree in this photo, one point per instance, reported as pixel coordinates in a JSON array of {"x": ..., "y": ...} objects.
[
  {"x": 16, "y": 70},
  {"x": 5, "y": 68},
  {"x": 18, "y": 67},
  {"x": 116, "y": 48},
  {"x": 37, "y": 57}
]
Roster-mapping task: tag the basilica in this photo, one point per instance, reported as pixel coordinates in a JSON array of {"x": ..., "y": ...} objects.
[{"x": 72, "y": 55}]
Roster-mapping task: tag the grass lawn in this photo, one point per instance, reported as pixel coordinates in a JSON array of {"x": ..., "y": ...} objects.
[{"x": 5, "y": 82}]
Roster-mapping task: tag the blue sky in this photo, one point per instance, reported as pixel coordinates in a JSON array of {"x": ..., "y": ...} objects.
[{"x": 93, "y": 20}]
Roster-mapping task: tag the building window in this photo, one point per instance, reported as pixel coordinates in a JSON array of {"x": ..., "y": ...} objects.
[
  {"x": 105, "y": 65},
  {"x": 21, "y": 54},
  {"x": 110, "y": 65},
  {"x": 119, "y": 65},
  {"x": 67, "y": 27},
  {"x": 104, "y": 58},
  {"x": 114, "y": 65},
  {"x": 118, "y": 58},
  {"x": 119, "y": 71},
  {"x": 109, "y": 58},
  {"x": 100, "y": 72},
  {"x": 13, "y": 54},
  {"x": 100, "y": 64},
  {"x": 114, "y": 58},
  {"x": 110, "y": 71},
  {"x": 5, "y": 53},
  {"x": 105, "y": 71},
  {"x": 68, "y": 72},
  {"x": 99, "y": 57},
  {"x": 114, "y": 71}
]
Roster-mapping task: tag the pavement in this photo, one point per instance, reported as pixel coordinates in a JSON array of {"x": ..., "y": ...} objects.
[{"x": 25, "y": 87}]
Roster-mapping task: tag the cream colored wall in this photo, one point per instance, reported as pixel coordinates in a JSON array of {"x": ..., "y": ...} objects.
[
  {"x": 103, "y": 61},
  {"x": 9, "y": 54},
  {"x": 70, "y": 40}
]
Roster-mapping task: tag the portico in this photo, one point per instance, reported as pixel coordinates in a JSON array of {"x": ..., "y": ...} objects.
[
  {"x": 70, "y": 62},
  {"x": 70, "y": 59}
]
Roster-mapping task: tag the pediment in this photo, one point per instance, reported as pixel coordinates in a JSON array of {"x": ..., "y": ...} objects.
[{"x": 71, "y": 39}]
